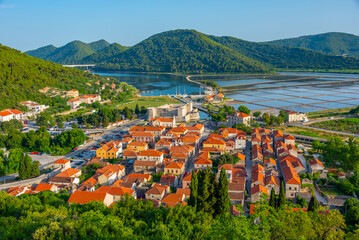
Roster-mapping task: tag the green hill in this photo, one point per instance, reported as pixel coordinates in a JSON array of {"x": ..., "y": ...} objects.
[
  {"x": 71, "y": 53},
  {"x": 287, "y": 57},
  {"x": 22, "y": 75},
  {"x": 98, "y": 45},
  {"x": 333, "y": 43},
  {"x": 42, "y": 52},
  {"x": 107, "y": 52},
  {"x": 182, "y": 51}
]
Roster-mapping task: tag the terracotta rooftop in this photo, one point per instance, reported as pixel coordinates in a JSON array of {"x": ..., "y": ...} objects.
[{"x": 86, "y": 197}]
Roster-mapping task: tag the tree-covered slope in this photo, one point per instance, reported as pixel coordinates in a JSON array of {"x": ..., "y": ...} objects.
[
  {"x": 98, "y": 45},
  {"x": 71, "y": 53},
  {"x": 42, "y": 52},
  {"x": 105, "y": 53},
  {"x": 182, "y": 51},
  {"x": 333, "y": 43},
  {"x": 287, "y": 57},
  {"x": 22, "y": 75}
]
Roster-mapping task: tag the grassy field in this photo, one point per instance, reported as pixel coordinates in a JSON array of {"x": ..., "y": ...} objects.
[
  {"x": 330, "y": 112},
  {"x": 144, "y": 101},
  {"x": 332, "y": 190},
  {"x": 350, "y": 125},
  {"x": 309, "y": 132}
]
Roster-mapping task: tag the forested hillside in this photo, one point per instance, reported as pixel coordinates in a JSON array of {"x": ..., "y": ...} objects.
[
  {"x": 21, "y": 76},
  {"x": 182, "y": 51},
  {"x": 333, "y": 43},
  {"x": 47, "y": 215},
  {"x": 107, "y": 52},
  {"x": 71, "y": 53},
  {"x": 42, "y": 52},
  {"x": 287, "y": 57},
  {"x": 189, "y": 51}
]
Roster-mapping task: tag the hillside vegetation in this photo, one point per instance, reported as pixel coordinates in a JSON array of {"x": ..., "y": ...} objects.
[
  {"x": 189, "y": 51},
  {"x": 105, "y": 53},
  {"x": 71, "y": 53},
  {"x": 287, "y": 57},
  {"x": 21, "y": 76},
  {"x": 182, "y": 51},
  {"x": 333, "y": 43}
]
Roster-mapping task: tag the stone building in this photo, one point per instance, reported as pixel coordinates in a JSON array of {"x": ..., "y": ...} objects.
[{"x": 180, "y": 112}]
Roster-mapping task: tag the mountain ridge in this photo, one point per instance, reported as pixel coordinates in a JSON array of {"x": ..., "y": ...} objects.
[
  {"x": 333, "y": 43},
  {"x": 189, "y": 51}
]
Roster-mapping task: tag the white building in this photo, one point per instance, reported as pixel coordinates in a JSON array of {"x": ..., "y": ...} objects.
[
  {"x": 238, "y": 118},
  {"x": 8, "y": 114}
]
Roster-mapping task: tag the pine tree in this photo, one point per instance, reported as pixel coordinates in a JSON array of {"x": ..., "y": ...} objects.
[
  {"x": 272, "y": 201},
  {"x": 106, "y": 121},
  {"x": 28, "y": 166},
  {"x": 22, "y": 168},
  {"x": 281, "y": 200},
  {"x": 313, "y": 204},
  {"x": 193, "y": 198},
  {"x": 35, "y": 171},
  {"x": 137, "y": 109},
  {"x": 223, "y": 201}
]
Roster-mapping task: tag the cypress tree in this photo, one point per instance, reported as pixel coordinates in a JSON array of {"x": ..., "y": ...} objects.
[
  {"x": 193, "y": 198},
  {"x": 272, "y": 202},
  {"x": 223, "y": 201},
  {"x": 203, "y": 193},
  {"x": 281, "y": 200},
  {"x": 137, "y": 109},
  {"x": 313, "y": 204},
  {"x": 106, "y": 121},
  {"x": 22, "y": 168},
  {"x": 35, "y": 171}
]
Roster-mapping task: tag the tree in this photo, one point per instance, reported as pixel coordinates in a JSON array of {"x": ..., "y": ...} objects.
[
  {"x": 266, "y": 118},
  {"x": 105, "y": 121},
  {"x": 244, "y": 109},
  {"x": 143, "y": 110},
  {"x": 96, "y": 105},
  {"x": 75, "y": 125},
  {"x": 60, "y": 125},
  {"x": 257, "y": 114},
  {"x": 313, "y": 204},
  {"x": 203, "y": 190},
  {"x": 223, "y": 202},
  {"x": 35, "y": 171},
  {"x": 193, "y": 198},
  {"x": 272, "y": 200},
  {"x": 281, "y": 200},
  {"x": 128, "y": 113},
  {"x": 137, "y": 109}
]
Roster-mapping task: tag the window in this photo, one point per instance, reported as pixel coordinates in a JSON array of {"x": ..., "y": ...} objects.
[{"x": 290, "y": 188}]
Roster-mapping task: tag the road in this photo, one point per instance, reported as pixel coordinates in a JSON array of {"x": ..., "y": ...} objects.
[{"x": 46, "y": 160}]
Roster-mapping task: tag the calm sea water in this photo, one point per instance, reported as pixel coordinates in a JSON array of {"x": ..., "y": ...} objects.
[{"x": 156, "y": 85}]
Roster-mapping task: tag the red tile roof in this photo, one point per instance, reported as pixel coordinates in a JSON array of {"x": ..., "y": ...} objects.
[
  {"x": 259, "y": 188},
  {"x": 151, "y": 152},
  {"x": 61, "y": 161},
  {"x": 43, "y": 187},
  {"x": 175, "y": 165},
  {"x": 68, "y": 172},
  {"x": 239, "y": 115},
  {"x": 86, "y": 197},
  {"x": 315, "y": 161},
  {"x": 119, "y": 191},
  {"x": 215, "y": 141}
]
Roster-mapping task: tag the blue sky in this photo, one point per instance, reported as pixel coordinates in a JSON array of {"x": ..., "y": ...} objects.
[{"x": 29, "y": 24}]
